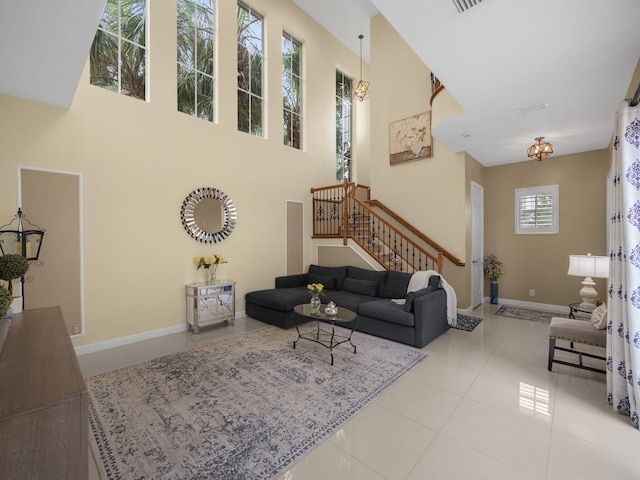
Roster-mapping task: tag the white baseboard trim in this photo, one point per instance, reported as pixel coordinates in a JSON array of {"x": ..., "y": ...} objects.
[
  {"x": 138, "y": 337},
  {"x": 538, "y": 306}
]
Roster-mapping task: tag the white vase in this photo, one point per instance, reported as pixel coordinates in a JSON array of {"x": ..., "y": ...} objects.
[{"x": 16, "y": 305}]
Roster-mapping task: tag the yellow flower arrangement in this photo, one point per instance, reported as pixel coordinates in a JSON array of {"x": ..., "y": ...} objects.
[
  {"x": 208, "y": 260},
  {"x": 493, "y": 267},
  {"x": 315, "y": 288}
]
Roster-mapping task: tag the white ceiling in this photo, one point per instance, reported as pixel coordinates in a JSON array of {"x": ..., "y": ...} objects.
[
  {"x": 576, "y": 55},
  {"x": 44, "y": 46}
]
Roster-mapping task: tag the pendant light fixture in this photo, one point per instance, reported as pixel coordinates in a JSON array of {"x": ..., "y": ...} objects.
[
  {"x": 361, "y": 91},
  {"x": 540, "y": 150}
]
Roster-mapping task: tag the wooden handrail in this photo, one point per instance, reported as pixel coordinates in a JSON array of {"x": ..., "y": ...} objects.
[
  {"x": 371, "y": 229},
  {"x": 436, "y": 260},
  {"x": 435, "y": 94},
  {"x": 448, "y": 255}
]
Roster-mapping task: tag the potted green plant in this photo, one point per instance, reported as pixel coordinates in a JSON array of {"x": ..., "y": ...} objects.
[
  {"x": 5, "y": 301},
  {"x": 12, "y": 266},
  {"x": 495, "y": 269}
]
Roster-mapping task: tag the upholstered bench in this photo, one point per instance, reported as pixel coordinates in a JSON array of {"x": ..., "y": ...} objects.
[{"x": 575, "y": 331}]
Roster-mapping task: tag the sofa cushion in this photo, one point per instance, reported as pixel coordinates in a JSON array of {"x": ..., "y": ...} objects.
[
  {"x": 338, "y": 272},
  {"x": 411, "y": 296},
  {"x": 344, "y": 299},
  {"x": 329, "y": 283},
  {"x": 396, "y": 284},
  {"x": 379, "y": 277},
  {"x": 282, "y": 299},
  {"x": 384, "y": 309},
  {"x": 362, "y": 287}
]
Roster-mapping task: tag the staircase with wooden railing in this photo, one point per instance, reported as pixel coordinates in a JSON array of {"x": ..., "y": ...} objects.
[{"x": 346, "y": 211}]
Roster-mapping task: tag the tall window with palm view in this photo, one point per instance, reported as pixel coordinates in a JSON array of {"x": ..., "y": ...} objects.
[
  {"x": 250, "y": 70},
  {"x": 196, "y": 48},
  {"x": 292, "y": 91},
  {"x": 118, "y": 55},
  {"x": 343, "y": 126}
]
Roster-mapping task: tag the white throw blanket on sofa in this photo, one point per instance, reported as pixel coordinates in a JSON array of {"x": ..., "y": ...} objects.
[{"x": 420, "y": 280}]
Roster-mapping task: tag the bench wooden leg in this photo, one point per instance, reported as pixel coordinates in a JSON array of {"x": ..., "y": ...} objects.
[{"x": 552, "y": 349}]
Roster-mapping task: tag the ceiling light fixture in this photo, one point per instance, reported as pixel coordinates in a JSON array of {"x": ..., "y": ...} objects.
[
  {"x": 540, "y": 150},
  {"x": 532, "y": 108},
  {"x": 361, "y": 92}
]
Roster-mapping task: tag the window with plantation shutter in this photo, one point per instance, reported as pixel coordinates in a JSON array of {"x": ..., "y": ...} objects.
[{"x": 537, "y": 210}]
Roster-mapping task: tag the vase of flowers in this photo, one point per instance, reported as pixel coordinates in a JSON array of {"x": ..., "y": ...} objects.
[
  {"x": 210, "y": 264},
  {"x": 316, "y": 290},
  {"x": 495, "y": 269}
]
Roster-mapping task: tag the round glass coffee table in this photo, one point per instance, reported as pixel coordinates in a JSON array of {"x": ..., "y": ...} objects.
[{"x": 323, "y": 330}]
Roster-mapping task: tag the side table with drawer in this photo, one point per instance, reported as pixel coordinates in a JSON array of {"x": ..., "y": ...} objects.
[{"x": 210, "y": 303}]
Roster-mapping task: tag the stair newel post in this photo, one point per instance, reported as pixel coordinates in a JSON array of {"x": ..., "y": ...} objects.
[{"x": 440, "y": 262}]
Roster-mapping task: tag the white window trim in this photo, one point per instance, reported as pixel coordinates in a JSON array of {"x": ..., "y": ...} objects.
[{"x": 554, "y": 228}]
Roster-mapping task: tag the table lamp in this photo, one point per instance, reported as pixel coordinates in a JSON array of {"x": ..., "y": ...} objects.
[{"x": 590, "y": 267}]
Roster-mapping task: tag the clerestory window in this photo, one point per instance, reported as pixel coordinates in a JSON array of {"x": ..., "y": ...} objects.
[
  {"x": 292, "y": 90},
  {"x": 118, "y": 56},
  {"x": 196, "y": 56},
  {"x": 250, "y": 70},
  {"x": 343, "y": 126}
]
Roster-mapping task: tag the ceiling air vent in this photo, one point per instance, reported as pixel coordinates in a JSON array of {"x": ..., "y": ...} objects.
[{"x": 461, "y": 6}]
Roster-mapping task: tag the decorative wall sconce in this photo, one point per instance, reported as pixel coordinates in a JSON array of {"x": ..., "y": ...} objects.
[
  {"x": 361, "y": 90},
  {"x": 540, "y": 150}
]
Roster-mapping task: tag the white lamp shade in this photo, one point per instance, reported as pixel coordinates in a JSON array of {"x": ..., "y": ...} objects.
[{"x": 588, "y": 266}]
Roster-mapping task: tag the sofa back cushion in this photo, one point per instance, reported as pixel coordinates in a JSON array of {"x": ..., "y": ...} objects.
[
  {"x": 339, "y": 273},
  {"x": 329, "y": 283},
  {"x": 362, "y": 287},
  {"x": 396, "y": 284},
  {"x": 379, "y": 277}
]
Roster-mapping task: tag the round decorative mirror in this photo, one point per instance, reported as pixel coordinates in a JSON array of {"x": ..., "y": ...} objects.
[{"x": 208, "y": 215}]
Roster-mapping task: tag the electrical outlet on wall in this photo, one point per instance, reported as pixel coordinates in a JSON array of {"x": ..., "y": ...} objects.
[{"x": 532, "y": 293}]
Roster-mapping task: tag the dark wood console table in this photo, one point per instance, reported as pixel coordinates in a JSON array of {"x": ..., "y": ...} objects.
[{"x": 44, "y": 427}]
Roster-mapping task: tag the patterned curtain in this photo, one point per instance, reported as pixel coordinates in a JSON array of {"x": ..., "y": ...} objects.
[{"x": 623, "y": 327}]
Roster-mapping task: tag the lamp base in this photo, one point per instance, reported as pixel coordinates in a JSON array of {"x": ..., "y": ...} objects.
[{"x": 588, "y": 293}]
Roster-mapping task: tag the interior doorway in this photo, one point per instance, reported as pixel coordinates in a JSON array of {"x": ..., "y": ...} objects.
[
  {"x": 53, "y": 200},
  {"x": 477, "y": 244},
  {"x": 294, "y": 244}
]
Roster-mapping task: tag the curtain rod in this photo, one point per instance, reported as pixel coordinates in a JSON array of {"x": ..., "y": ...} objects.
[{"x": 636, "y": 97}]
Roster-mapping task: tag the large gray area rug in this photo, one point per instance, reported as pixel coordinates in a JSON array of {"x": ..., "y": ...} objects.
[
  {"x": 245, "y": 407},
  {"x": 541, "y": 316}
]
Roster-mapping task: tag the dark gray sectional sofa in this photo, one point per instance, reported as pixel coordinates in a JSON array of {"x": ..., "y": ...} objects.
[{"x": 369, "y": 293}]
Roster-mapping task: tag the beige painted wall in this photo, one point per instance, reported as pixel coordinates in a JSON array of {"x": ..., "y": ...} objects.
[
  {"x": 139, "y": 160},
  {"x": 429, "y": 193},
  {"x": 540, "y": 262}
]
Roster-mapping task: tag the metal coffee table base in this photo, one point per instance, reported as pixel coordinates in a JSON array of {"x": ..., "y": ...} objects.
[{"x": 324, "y": 330}]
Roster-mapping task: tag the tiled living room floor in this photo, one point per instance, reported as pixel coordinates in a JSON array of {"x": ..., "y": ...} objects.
[{"x": 482, "y": 406}]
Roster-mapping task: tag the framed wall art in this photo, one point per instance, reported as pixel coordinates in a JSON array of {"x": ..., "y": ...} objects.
[{"x": 410, "y": 138}]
